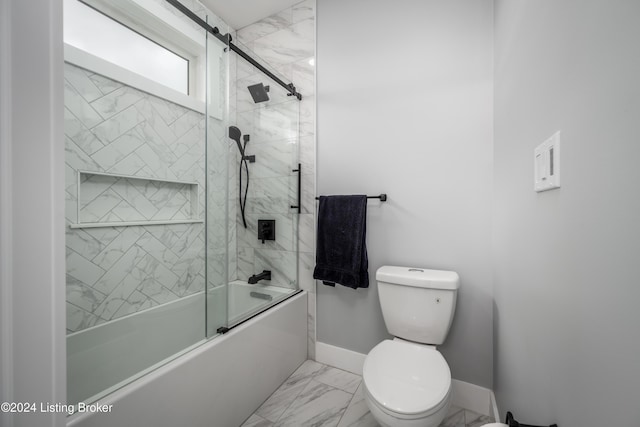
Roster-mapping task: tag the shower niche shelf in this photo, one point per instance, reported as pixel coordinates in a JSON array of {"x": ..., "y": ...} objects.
[{"x": 113, "y": 200}]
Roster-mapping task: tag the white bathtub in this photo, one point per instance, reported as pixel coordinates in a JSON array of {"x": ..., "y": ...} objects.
[{"x": 224, "y": 379}]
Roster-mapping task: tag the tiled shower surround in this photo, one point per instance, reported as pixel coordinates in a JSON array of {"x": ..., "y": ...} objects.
[{"x": 113, "y": 128}]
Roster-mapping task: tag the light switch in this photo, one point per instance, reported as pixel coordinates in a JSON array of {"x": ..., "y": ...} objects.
[{"x": 546, "y": 164}]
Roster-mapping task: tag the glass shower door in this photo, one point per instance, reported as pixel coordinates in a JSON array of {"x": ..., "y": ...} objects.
[
  {"x": 141, "y": 180},
  {"x": 217, "y": 200},
  {"x": 265, "y": 269}
]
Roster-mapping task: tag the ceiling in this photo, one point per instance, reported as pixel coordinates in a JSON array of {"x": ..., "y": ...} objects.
[{"x": 240, "y": 13}]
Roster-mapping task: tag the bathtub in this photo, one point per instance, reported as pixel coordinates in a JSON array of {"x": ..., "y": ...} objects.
[{"x": 177, "y": 378}]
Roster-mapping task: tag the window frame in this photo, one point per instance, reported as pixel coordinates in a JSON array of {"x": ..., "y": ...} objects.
[{"x": 169, "y": 31}]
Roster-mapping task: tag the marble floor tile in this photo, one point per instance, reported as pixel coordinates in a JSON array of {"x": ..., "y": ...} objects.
[
  {"x": 473, "y": 419},
  {"x": 317, "y": 405},
  {"x": 357, "y": 413},
  {"x": 339, "y": 379},
  {"x": 257, "y": 421},
  {"x": 279, "y": 401},
  {"x": 320, "y": 395},
  {"x": 455, "y": 418},
  {"x": 304, "y": 373}
]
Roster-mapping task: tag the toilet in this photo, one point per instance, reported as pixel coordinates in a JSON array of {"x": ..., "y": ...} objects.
[{"x": 407, "y": 382}]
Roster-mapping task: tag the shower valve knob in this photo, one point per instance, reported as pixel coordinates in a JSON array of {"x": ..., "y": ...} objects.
[{"x": 266, "y": 229}]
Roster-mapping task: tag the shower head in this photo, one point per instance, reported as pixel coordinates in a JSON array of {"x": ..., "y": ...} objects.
[
  {"x": 235, "y": 134},
  {"x": 259, "y": 92}
]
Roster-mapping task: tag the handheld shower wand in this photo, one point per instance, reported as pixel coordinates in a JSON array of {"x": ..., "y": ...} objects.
[{"x": 235, "y": 134}]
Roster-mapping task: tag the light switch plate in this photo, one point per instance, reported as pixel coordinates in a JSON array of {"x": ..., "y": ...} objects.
[{"x": 546, "y": 164}]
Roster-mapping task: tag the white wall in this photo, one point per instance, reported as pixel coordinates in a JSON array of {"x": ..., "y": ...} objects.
[
  {"x": 566, "y": 261},
  {"x": 405, "y": 107},
  {"x": 32, "y": 210}
]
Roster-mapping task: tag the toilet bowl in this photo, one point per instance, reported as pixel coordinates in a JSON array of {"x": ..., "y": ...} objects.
[{"x": 406, "y": 384}]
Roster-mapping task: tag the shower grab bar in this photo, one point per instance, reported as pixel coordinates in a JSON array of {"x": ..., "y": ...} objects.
[
  {"x": 299, "y": 205},
  {"x": 382, "y": 197}
]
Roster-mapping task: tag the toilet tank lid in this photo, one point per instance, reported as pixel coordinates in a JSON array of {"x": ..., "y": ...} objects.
[{"x": 419, "y": 277}]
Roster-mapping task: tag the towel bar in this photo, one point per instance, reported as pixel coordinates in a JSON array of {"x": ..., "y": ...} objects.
[{"x": 382, "y": 197}]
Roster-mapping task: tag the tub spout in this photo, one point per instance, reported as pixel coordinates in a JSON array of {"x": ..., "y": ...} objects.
[{"x": 265, "y": 275}]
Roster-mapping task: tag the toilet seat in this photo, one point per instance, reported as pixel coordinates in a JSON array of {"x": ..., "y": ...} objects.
[
  {"x": 406, "y": 417},
  {"x": 406, "y": 380}
]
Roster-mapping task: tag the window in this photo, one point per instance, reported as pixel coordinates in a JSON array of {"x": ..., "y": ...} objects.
[{"x": 99, "y": 35}]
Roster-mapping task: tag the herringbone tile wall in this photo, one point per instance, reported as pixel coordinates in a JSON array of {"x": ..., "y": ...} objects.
[{"x": 113, "y": 128}]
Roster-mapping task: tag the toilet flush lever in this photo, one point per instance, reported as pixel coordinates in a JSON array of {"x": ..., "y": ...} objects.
[{"x": 416, "y": 269}]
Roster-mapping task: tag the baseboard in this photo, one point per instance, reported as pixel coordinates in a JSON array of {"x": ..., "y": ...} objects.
[
  {"x": 495, "y": 414},
  {"x": 471, "y": 396},
  {"x": 340, "y": 358},
  {"x": 464, "y": 395}
]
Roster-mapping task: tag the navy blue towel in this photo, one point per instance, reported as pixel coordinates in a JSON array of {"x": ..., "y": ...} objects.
[{"x": 341, "y": 253}]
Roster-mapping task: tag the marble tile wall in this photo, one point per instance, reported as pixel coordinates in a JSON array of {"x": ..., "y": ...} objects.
[
  {"x": 106, "y": 198},
  {"x": 286, "y": 41},
  {"x": 221, "y": 262},
  {"x": 115, "y": 271},
  {"x": 272, "y": 189}
]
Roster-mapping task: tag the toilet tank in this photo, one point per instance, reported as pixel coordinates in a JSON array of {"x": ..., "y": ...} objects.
[{"x": 417, "y": 304}]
